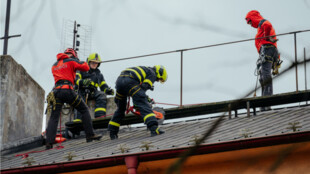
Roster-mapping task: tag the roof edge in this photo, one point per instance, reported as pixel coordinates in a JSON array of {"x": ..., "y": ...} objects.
[
  {"x": 164, "y": 154},
  {"x": 23, "y": 144}
]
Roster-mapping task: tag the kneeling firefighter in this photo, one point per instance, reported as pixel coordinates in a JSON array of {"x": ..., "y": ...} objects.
[
  {"x": 88, "y": 83},
  {"x": 135, "y": 82}
]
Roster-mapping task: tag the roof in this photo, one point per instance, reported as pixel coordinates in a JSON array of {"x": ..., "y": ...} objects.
[
  {"x": 178, "y": 135},
  {"x": 187, "y": 111}
]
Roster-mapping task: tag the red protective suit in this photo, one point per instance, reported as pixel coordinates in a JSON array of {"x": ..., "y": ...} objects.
[
  {"x": 65, "y": 68},
  {"x": 264, "y": 28}
]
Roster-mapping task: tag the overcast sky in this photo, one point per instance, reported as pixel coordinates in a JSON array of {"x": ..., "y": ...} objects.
[{"x": 125, "y": 28}]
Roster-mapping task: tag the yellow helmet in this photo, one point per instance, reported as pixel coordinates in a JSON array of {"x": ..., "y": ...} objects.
[
  {"x": 161, "y": 73},
  {"x": 94, "y": 57}
]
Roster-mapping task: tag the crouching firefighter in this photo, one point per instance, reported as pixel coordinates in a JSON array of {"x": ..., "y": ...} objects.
[
  {"x": 88, "y": 82},
  {"x": 134, "y": 82},
  {"x": 64, "y": 74}
]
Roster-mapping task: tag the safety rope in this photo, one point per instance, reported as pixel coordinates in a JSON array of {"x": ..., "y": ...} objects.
[
  {"x": 105, "y": 116},
  {"x": 180, "y": 105},
  {"x": 51, "y": 101},
  {"x": 60, "y": 146},
  {"x": 167, "y": 104},
  {"x": 128, "y": 106}
]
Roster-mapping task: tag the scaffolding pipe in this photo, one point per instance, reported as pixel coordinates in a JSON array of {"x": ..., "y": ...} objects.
[
  {"x": 296, "y": 69},
  {"x": 305, "y": 65},
  {"x": 194, "y": 48},
  {"x": 181, "y": 90}
]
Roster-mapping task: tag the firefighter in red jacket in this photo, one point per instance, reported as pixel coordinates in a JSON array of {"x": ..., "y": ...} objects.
[
  {"x": 64, "y": 74},
  {"x": 135, "y": 82},
  {"x": 266, "y": 44}
]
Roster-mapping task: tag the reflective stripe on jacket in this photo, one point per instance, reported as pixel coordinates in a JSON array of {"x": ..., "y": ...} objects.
[
  {"x": 95, "y": 76},
  {"x": 145, "y": 75}
]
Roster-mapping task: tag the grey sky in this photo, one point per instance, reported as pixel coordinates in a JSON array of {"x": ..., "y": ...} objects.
[{"x": 124, "y": 28}]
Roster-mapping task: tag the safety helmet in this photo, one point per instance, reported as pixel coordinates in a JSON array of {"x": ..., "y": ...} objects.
[
  {"x": 94, "y": 57},
  {"x": 161, "y": 73},
  {"x": 71, "y": 51}
]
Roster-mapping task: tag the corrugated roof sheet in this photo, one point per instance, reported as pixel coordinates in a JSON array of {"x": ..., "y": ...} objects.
[{"x": 180, "y": 134}]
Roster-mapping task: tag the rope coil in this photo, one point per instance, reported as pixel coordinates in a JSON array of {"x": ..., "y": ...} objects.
[{"x": 51, "y": 101}]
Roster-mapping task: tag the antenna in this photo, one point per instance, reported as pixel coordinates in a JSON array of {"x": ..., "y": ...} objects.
[
  {"x": 81, "y": 36},
  {"x": 6, "y": 36}
]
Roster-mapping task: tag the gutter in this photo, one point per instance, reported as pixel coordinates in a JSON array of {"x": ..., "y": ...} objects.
[{"x": 132, "y": 160}]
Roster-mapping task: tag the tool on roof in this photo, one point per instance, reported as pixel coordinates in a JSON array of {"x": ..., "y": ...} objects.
[{"x": 159, "y": 112}]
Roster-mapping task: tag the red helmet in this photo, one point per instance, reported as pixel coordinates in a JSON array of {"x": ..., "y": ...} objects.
[{"x": 71, "y": 51}]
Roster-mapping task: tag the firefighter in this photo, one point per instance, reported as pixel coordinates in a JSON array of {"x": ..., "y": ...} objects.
[
  {"x": 88, "y": 82},
  {"x": 64, "y": 74},
  {"x": 134, "y": 82},
  {"x": 267, "y": 49}
]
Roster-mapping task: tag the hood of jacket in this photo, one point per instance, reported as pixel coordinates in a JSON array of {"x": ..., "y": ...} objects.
[
  {"x": 62, "y": 56},
  {"x": 255, "y": 18}
]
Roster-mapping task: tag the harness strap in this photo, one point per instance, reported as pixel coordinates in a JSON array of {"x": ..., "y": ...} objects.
[
  {"x": 63, "y": 84},
  {"x": 261, "y": 22},
  {"x": 64, "y": 87}
]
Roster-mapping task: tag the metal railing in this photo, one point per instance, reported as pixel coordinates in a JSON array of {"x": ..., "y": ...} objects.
[{"x": 215, "y": 45}]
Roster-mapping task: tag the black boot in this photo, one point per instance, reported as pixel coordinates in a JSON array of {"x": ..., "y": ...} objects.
[
  {"x": 93, "y": 137},
  {"x": 113, "y": 135},
  {"x": 156, "y": 131},
  {"x": 48, "y": 146}
]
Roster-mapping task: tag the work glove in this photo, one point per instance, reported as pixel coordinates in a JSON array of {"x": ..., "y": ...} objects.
[
  {"x": 85, "y": 82},
  {"x": 109, "y": 91},
  {"x": 135, "y": 106},
  {"x": 146, "y": 86},
  {"x": 150, "y": 100}
]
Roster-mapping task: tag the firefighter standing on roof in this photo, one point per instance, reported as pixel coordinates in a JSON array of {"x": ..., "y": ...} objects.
[
  {"x": 88, "y": 82},
  {"x": 135, "y": 82},
  {"x": 64, "y": 74},
  {"x": 267, "y": 49}
]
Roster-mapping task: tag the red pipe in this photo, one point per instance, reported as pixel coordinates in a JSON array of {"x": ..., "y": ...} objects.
[
  {"x": 132, "y": 164},
  {"x": 159, "y": 155}
]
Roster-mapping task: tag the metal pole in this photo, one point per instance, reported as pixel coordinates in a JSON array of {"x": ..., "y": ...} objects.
[
  {"x": 305, "y": 65},
  {"x": 74, "y": 34},
  {"x": 7, "y": 26},
  {"x": 296, "y": 61},
  {"x": 181, "y": 91}
]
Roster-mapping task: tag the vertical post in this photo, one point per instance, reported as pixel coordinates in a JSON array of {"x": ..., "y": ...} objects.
[
  {"x": 254, "y": 111},
  {"x": 7, "y": 26},
  {"x": 229, "y": 110},
  {"x": 248, "y": 108},
  {"x": 296, "y": 62},
  {"x": 236, "y": 113},
  {"x": 305, "y": 65},
  {"x": 74, "y": 34},
  {"x": 181, "y": 85}
]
